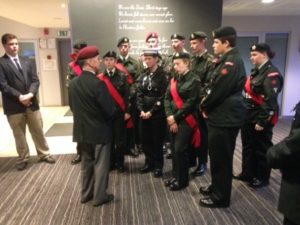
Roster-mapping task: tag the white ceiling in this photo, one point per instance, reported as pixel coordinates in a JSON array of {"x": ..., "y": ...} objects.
[{"x": 49, "y": 13}]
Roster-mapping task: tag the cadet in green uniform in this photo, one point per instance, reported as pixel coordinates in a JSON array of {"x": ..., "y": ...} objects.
[
  {"x": 224, "y": 109},
  {"x": 75, "y": 70},
  {"x": 118, "y": 80},
  {"x": 150, "y": 102},
  {"x": 177, "y": 43},
  {"x": 261, "y": 92},
  {"x": 285, "y": 156},
  {"x": 181, "y": 103},
  {"x": 133, "y": 71},
  {"x": 201, "y": 65}
]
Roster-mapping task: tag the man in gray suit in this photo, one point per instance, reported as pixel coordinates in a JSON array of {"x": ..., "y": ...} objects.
[
  {"x": 93, "y": 109},
  {"x": 19, "y": 85}
]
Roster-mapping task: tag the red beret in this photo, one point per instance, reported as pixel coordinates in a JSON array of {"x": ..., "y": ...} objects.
[
  {"x": 151, "y": 35},
  {"x": 88, "y": 52}
]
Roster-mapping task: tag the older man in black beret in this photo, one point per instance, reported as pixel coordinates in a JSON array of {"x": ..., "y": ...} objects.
[
  {"x": 93, "y": 109},
  {"x": 224, "y": 110}
]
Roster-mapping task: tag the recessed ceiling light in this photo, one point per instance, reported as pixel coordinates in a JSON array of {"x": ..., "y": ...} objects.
[
  {"x": 267, "y": 1},
  {"x": 63, "y": 5}
]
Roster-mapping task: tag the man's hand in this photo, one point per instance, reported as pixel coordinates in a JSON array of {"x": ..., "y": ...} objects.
[
  {"x": 171, "y": 120},
  {"x": 258, "y": 127},
  {"x": 127, "y": 116},
  {"x": 174, "y": 128},
  {"x": 26, "y": 99}
]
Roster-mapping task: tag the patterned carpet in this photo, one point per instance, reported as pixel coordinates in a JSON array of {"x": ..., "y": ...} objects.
[{"x": 50, "y": 194}]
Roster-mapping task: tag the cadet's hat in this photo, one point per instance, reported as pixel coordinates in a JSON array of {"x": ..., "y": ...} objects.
[
  {"x": 182, "y": 55},
  {"x": 263, "y": 47},
  {"x": 151, "y": 35},
  {"x": 177, "y": 36},
  {"x": 122, "y": 40},
  {"x": 79, "y": 44},
  {"x": 198, "y": 35},
  {"x": 88, "y": 53},
  {"x": 150, "y": 52},
  {"x": 224, "y": 32},
  {"x": 110, "y": 54}
]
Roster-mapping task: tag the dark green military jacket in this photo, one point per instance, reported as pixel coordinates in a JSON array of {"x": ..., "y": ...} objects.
[
  {"x": 223, "y": 100},
  {"x": 266, "y": 82},
  {"x": 201, "y": 66},
  {"x": 286, "y": 156},
  {"x": 187, "y": 90},
  {"x": 135, "y": 69}
]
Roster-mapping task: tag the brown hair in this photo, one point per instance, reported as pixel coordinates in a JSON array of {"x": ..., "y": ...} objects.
[{"x": 6, "y": 37}]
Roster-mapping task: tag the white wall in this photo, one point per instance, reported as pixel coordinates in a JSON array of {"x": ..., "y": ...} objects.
[
  {"x": 50, "y": 93},
  {"x": 291, "y": 24}
]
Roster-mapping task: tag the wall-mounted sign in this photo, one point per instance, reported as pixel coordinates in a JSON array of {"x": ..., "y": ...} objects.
[{"x": 63, "y": 33}]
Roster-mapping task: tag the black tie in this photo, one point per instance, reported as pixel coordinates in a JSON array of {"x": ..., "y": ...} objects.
[
  {"x": 110, "y": 73},
  {"x": 18, "y": 65}
]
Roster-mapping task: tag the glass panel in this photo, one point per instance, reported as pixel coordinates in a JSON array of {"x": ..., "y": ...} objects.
[
  {"x": 244, "y": 44},
  {"x": 26, "y": 49},
  {"x": 279, "y": 43}
]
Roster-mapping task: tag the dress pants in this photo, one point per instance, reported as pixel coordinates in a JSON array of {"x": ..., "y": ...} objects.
[
  {"x": 95, "y": 162},
  {"x": 152, "y": 136},
  {"x": 181, "y": 147},
  {"x": 33, "y": 119},
  {"x": 255, "y": 146},
  {"x": 118, "y": 144},
  {"x": 221, "y": 144},
  {"x": 202, "y": 152}
]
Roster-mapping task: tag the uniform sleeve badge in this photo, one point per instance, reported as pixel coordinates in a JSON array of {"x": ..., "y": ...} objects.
[{"x": 224, "y": 71}]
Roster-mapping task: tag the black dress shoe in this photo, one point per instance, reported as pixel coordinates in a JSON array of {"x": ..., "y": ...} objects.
[
  {"x": 170, "y": 181},
  {"x": 108, "y": 199},
  {"x": 241, "y": 177},
  {"x": 134, "y": 152},
  {"x": 257, "y": 183},
  {"x": 146, "y": 169},
  {"x": 169, "y": 155},
  {"x": 120, "y": 168},
  {"x": 176, "y": 187},
  {"x": 199, "y": 171},
  {"x": 209, "y": 202},
  {"x": 22, "y": 166},
  {"x": 85, "y": 200},
  {"x": 76, "y": 160},
  {"x": 206, "y": 190},
  {"x": 157, "y": 173}
]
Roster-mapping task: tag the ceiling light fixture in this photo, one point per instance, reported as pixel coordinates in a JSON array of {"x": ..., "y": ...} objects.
[
  {"x": 267, "y": 1},
  {"x": 63, "y": 5}
]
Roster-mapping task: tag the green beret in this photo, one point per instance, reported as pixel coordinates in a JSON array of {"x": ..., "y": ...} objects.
[
  {"x": 122, "y": 40},
  {"x": 79, "y": 44},
  {"x": 224, "y": 32},
  {"x": 198, "y": 35},
  {"x": 182, "y": 55},
  {"x": 262, "y": 47},
  {"x": 110, "y": 54},
  {"x": 177, "y": 36}
]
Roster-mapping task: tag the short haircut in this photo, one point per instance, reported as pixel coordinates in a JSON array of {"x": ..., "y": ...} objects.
[
  {"x": 230, "y": 38},
  {"x": 6, "y": 37}
]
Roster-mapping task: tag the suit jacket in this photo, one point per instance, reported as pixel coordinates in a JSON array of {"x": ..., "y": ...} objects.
[
  {"x": 93, "y": 109},
  {"x": 285, "y": 156},
  {"x": 13, "y": 83}
]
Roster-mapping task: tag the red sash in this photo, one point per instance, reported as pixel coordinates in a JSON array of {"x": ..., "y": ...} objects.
[
  {"x": 76, "y": 68},
  {"x": 258, "y": 99},
  {"x": 116, "y": 96},
  {"x": 121, "y": 67},
  {"x": 190, "y": 119}
]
